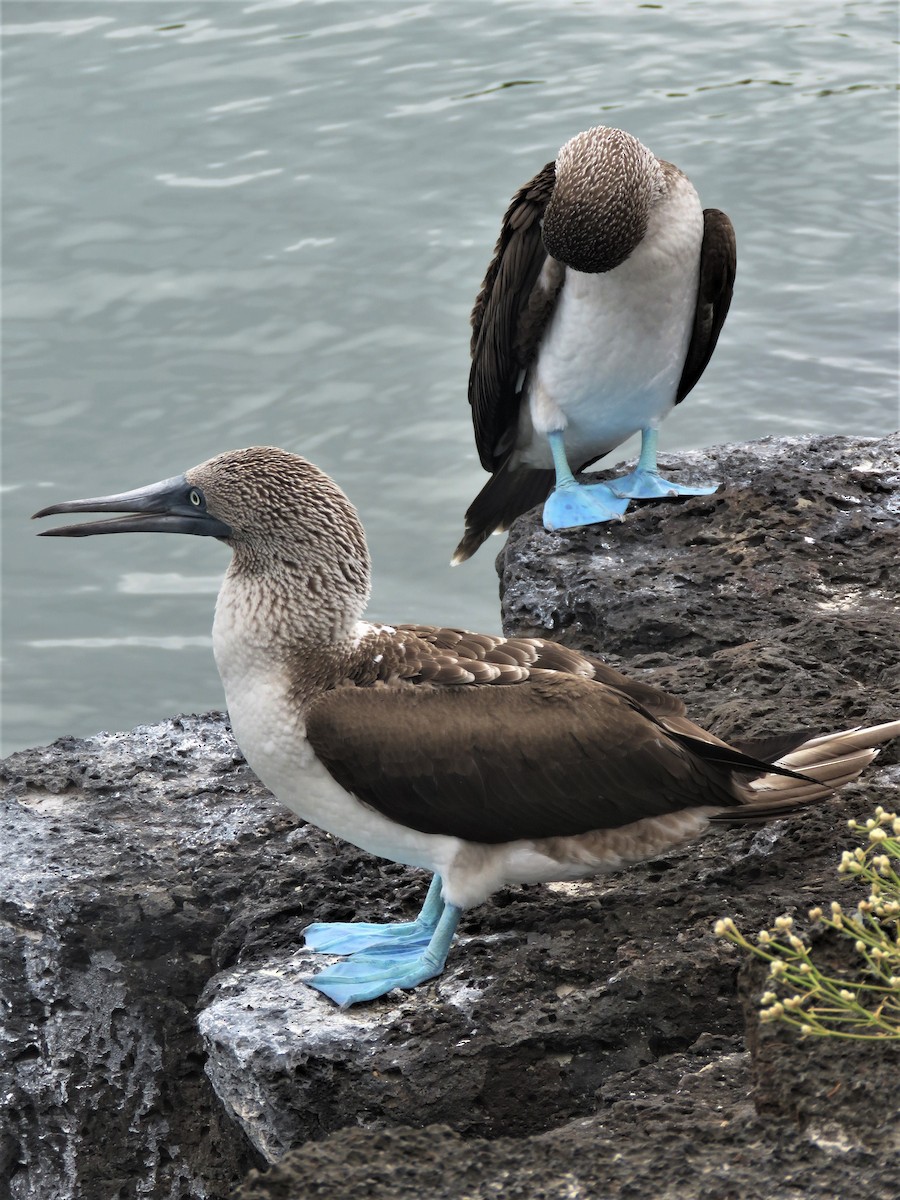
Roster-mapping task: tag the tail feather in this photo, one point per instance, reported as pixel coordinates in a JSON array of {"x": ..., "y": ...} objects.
[
  {"x": 827, "y": 762},
  {"x": 832, "y": 774},
  {"x": 860, "y": 738},
  {"x": 508, "y": 493}
]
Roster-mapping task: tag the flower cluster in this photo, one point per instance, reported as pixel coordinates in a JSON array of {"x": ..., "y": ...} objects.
[{"x": 867, "y": 1006}]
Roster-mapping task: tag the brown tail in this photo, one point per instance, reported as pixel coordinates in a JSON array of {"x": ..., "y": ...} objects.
[
  {"x": 507, "y": 494},
  {"x": 827, "y": 762}
]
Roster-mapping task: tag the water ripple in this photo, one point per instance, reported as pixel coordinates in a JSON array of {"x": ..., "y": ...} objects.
[{"x": 194, "y": 181}]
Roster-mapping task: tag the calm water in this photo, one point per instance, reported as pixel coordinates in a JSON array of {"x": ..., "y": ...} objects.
[{"x": 230, "y": 223}]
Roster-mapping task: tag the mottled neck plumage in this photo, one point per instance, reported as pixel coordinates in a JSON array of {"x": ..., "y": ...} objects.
[{"x": 290, "y": 603}]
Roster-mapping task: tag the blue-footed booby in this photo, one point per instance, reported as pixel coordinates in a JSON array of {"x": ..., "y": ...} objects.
[
  {"x": 599, "y": 311},
  {"x": 487, "y": 760}
]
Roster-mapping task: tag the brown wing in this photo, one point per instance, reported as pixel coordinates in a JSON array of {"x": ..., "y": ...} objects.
[
  {"x": 447, "y": 655},
  {"x": 555, "y": 755},
  {"x": 718, "y": 263},
  {"x": 508, "y": 316}
]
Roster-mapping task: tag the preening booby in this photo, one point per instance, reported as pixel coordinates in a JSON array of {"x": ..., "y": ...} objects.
[
  {"x": 599, "y": 311},
  {"x": 488, "y": 760}
]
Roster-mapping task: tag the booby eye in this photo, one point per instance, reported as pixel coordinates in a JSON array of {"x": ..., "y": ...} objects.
[{"x": 195, "y": 497}]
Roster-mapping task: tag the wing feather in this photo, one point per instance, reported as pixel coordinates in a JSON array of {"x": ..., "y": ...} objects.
[
  {"x": 718, "y": 264},
  {"x": 509, "y": 313},
  {"x": 555, "y": 755}
]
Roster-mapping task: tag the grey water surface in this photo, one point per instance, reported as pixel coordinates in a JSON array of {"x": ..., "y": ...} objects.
[{"x": 231, "y": 223}]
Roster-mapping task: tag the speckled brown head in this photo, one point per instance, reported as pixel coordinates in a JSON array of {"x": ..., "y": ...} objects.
[
  {"x": 277, "y": 502},
  {"x": 606, "y": 184},
  {"x": 287, "y": 518}
]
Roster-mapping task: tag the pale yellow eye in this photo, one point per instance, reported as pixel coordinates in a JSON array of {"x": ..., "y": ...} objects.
[{"x": 195, "y": 498}]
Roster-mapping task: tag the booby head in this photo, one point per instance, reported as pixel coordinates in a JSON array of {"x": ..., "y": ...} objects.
[
  {"x": 488, "y": 760},
  {"x": 290, "y": 527},
  {"x": 606, "y": 185},
  {"x": 261, "y": 501},
  {"x": 284, "y": 513}
]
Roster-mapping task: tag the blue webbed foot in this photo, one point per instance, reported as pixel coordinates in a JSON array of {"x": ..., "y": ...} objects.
[
  {"x": 650, "y": 485},
  {"x": 373, "y": 973},
  {"x": 571, "y": 505},
  {"x": 351, "y": 936}
]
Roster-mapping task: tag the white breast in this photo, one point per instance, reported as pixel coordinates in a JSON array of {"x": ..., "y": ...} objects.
[
  {"x": 268, "y": 725},
  {"x": 612, "y": 356}
]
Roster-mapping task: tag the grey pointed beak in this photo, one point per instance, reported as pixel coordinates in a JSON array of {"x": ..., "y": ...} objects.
[{"x": 171, "y": 506}]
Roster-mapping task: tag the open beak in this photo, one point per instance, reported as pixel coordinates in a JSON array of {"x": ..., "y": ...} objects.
[{"x": 172, "y": 506}]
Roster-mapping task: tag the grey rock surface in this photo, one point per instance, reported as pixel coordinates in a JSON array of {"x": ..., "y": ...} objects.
[
  {"x": 123, "y": 857},
  {"x": 587, "y": 1040}
]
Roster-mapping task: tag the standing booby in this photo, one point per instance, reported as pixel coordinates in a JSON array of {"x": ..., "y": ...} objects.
[
  {"x": 599, "y": 311},
  {"x": 488, "y": 760}
]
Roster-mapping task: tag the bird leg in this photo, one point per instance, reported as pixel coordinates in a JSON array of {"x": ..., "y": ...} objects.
[{"x": 646, "y": 483}]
